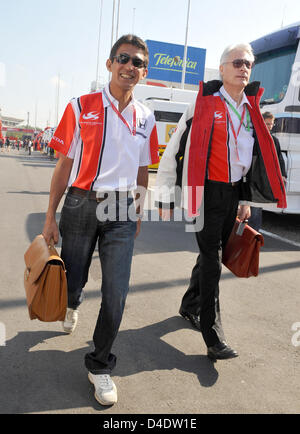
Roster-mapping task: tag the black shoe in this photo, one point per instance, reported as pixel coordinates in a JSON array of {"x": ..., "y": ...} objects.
[
  {"x": 221, "y": 351},
  {"x": 194, "y": 319}
]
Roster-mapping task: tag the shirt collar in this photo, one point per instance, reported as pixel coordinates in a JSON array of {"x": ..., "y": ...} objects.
[
  {"x": 228, "y": 97},
  {"x": 106, "y": 102}
]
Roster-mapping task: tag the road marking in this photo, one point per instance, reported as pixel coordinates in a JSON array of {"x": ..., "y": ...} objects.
[{"x": 277, "y": 237}]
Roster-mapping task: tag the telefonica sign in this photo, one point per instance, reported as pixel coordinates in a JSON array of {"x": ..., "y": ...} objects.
[{"x": 166, "y": 62}]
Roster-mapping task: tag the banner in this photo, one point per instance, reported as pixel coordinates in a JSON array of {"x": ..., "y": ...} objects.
[{"x": 166, "y": 62}]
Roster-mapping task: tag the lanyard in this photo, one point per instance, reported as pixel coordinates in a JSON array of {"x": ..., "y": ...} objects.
[
  {"x": 241, "y": 118},
  {"x": 247, "y": 126},
  {"x": 133, "y": 130}
]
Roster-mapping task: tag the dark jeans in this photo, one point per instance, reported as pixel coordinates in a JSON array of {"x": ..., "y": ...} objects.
[
  {"x": 81, "y": 230},
  {"x": 202, "y": 297}
]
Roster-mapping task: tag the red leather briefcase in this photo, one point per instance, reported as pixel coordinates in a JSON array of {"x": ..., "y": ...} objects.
[{"x": 241, "y": 253}]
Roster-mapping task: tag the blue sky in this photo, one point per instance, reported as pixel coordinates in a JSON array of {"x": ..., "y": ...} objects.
[{"x": 41, "y": 39}]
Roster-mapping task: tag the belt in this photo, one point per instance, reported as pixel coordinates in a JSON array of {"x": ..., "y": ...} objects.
[
  {"x": 226, "y": 184},
  {"x": 91, "y": 194}
]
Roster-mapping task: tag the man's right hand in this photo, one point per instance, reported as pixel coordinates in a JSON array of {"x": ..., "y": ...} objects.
[
  {"x": 50, "y": 231},
  {"x": 59, "y": 184}
]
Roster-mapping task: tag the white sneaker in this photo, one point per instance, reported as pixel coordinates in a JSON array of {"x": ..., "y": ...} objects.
[
  {"x": 105, "y": 388},
  {"x": 70, "y": 321}
]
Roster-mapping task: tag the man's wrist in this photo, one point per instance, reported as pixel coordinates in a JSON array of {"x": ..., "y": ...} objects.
[{"x": 50, "y": 215}]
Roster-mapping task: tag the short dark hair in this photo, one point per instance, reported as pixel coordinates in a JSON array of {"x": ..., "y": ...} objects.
[
  {"x": 268, "y": 115},
  {"x": 132, "y": 40}
]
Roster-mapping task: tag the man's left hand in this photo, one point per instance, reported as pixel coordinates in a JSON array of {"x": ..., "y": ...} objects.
[
  {"x": 244, "y": 212},
  {"x": 138, "y": 228}
]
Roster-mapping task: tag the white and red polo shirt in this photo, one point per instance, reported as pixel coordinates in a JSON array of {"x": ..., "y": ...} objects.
[{"x": 107, "y": 147}]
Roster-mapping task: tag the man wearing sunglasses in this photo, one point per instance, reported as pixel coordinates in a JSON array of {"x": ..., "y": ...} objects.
[
  {"x": 106, "y": 141},
  {"x": 222, "y": 156}
]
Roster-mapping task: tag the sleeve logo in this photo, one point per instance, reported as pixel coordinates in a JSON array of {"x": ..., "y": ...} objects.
[{"x": 57, "y": 139}]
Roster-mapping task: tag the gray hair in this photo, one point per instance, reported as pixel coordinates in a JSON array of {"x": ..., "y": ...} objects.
[{"x": 244, "y": 47}]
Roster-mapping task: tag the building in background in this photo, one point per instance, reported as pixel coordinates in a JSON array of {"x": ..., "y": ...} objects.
[
  {"x": 12, "y": 128},
  {"x": 10, "y": 122}
]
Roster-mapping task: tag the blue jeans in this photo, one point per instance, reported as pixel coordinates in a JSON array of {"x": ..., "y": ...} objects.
[{"x": 81, "y": 230}]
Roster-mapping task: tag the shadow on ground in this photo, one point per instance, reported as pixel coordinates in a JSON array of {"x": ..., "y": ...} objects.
[{"x": 43, "y": 380}]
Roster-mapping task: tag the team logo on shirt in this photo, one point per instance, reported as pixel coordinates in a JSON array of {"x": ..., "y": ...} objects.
[
  {"x": 218, "y": 116},
  {"x": 141, "y": 123},
  {"x": 92, "y": 116}
]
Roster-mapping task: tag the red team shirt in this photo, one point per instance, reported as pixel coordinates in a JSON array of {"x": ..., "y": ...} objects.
[{"x": 106, "y": 154}]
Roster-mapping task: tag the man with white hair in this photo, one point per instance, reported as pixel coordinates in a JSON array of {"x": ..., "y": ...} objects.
[{"x": 222, "y": 155}]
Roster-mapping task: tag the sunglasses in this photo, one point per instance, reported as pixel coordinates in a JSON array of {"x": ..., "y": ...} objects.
[
  {"x": 238, "y": 63},
  {"x": 124, "y": 58}
]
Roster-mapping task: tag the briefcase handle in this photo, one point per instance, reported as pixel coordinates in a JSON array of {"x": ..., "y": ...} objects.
[
  {"x": 51, "y": 245},
  {"x": 241, "y": 227}
]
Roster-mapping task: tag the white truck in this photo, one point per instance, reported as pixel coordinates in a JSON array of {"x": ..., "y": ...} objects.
[
  {"x": 168, "y": 105},
  {"x": 277, "y": 67}
]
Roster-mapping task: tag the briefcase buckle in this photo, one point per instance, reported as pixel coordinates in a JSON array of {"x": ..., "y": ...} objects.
[
  {"x": 27, "y": 272},
  {"x": 241, "y": 227}
]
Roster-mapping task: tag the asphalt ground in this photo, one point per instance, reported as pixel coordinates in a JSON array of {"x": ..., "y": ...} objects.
[{"x": 162, "y": 364}]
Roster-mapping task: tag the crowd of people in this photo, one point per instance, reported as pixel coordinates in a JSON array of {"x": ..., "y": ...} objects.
[
  {"x": 7, "y": 144},
  {"x": 27, "y": 144}
]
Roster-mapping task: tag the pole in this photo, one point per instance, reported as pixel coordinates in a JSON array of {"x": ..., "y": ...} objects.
[
  {"x": 112, "y": 31},
  {"x": 35, "y": 116},
  {"x": 57, "y": 99},
  {"x": 113, "y": 23},
  {"x": 118, "y": 20},
  {"x": 133, "y": 21},
  {"x": 185, "y": 47},
  {"x": 283, "y": 12},
  {"x": 99, "y": 36}
]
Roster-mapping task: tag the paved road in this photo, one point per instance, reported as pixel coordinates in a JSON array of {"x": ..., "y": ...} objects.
[
  {"x": 285, "y": 226},
  {"x": 162, "y": 364}
]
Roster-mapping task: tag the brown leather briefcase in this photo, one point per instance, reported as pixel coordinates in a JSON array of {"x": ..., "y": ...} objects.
[
  {"x": 241, "y": 253},
  {"x": 45, "y": 282}
]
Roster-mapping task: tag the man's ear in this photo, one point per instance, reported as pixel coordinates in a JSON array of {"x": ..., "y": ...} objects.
[
  {"x": 108, "y": 65},
  {"x": 221, "y": 67},
  {"x": 145, "y": 73}
]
